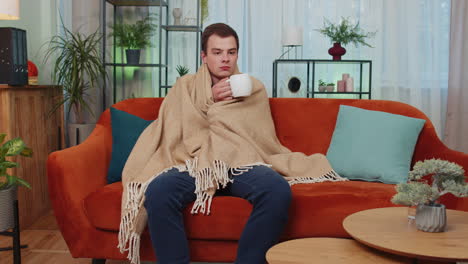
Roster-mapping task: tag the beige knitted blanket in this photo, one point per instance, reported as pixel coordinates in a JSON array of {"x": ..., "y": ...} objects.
[{"x": 208, "y": 140}]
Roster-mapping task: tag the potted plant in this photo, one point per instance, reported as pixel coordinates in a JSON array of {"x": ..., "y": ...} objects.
[
  {"x": 182, "y": 70},
  {"x": 328, "y": 87},
  {"x": 204, "y": 10},
  {"x": 8, "y": 183},
  {"x": 342, "y": 34},
  {"x": 134, "y": 37},
  {"x": 447, "y": 177},
  {"x": 77, "y": 67}
]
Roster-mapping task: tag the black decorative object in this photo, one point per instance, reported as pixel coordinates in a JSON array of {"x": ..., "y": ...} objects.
[
  {"x": 294, "y": 84},
  {"x": 13, "y": 56}
]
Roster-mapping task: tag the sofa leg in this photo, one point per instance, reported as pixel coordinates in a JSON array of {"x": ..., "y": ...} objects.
[{"x": 99, "y": 261}]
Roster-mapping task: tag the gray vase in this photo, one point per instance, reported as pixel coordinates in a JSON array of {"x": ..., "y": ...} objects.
[
  {"x": 431, "y": 218},
  {"x": 7, "y": 198}
]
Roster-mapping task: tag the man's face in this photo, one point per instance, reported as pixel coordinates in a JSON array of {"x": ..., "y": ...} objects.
[{"x": 220, "y": 56}]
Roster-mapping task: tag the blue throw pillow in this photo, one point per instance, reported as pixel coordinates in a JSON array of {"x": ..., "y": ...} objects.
[
  {"x": 126, "y": 128},
  {"x": 372, "y": 145}
]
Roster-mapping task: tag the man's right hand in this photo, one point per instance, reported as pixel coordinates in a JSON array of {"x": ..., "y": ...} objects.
[{"x": 222, "y": 91}]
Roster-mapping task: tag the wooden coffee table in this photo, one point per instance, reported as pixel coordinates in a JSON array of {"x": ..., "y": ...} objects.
[
  {"x": 329, "y": 250},
  {"x": 389, "y": 230}
]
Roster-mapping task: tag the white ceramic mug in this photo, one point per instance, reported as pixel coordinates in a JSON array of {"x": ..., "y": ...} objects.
[{"x": 241, "y": 85}]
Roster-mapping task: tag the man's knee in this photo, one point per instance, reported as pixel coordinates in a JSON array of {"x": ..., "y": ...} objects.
[
  {"x": 281, "y": 194},
  {"x": 163, "y": 192},
  {"x": 277, "y": 192}
]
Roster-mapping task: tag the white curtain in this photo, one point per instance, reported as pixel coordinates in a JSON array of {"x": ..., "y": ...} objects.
[
  {"x": 410, "y": 58},
  {"x": 456, "y": 130}
]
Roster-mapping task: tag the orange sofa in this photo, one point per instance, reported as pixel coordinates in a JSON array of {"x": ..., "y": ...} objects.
[{"x": 88, "y": 210}]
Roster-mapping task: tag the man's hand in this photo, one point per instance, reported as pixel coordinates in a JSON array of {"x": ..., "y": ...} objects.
[{"x": 222, "y": 91}]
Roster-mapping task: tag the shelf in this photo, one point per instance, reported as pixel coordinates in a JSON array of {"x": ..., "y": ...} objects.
[
  {"x": 339, "y": 93},
  {"x": 182, "y": 28},
  {"x": 137, "y": 2},
  {"x": 322, "y": 61},
  {"x": 156, "y": 70},
  {"x": 135, "y": 65}
]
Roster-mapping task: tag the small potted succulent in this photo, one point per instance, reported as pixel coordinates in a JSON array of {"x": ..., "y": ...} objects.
[
  {"x": 182, "y": 70},
  {"x": 342, "y": 34},
  {"x": 8, "y": 183},
  {"x": 326, "y": 87},
  {"x": 447, "y": 177},
  {"x": 134, "y": 37}
]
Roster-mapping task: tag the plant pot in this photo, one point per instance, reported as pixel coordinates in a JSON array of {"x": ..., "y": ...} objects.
[
  {"x": 133, "y": 56},
  {"x": 7, "y": 217},
  {"x": 322, "y": 88},
  {"x": 329, "y": 88},
  {"x": 431, "y": 218},
  {"x": 337, "y": 51},
  {"x": 77, "y": 133}
]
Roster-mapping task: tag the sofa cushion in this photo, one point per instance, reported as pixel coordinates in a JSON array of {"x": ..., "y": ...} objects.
[
  {"x": 126, "y": 128},
  {"x": 316, "y": 210},
  {"x": 373, "y": 145}
]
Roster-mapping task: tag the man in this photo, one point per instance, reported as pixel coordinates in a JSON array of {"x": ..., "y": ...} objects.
[
  {"x": 171, "y": 192},
  {"x": 206, "y": 143}
]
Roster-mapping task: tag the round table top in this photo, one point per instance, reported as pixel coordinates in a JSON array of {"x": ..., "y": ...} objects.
[
  {"x": 328, "y": 250},
  {"x": 389, "y": 229}
]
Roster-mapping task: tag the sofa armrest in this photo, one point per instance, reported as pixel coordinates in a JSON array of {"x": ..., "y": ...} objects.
[{"x": 73, "y": 174}]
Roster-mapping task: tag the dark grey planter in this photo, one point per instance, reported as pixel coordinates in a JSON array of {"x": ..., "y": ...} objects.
[
  {"x": 431, "y": 218},
  {"x": 7, "y": 198},
  {"x": 133, "y": 56}
]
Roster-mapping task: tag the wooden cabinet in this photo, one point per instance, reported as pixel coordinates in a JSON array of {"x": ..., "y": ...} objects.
[{"x": 25, "y": 113}]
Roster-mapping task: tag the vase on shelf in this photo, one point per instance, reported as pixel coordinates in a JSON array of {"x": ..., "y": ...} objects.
[
  {"x": 349, "y": 84},
  {"x": 337, "y": 51},
  {"x": 177, "y": 13}
]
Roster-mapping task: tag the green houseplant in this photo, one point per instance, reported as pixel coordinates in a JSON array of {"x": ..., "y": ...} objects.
[
  {"x": 77, "y": 67},
  {"x": 134, "y": 37},
  {"x": 204, "y": 10},
  {"x": 8, "y": 183},
  {"x": 447, "y": 177},
  {"x": 326, "y": 87},
  {"x": 342, "y": 34},
  {"x": 182, "y": 70}
]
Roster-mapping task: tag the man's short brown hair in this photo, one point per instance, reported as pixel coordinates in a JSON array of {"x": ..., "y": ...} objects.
[{"x": 219, "y": 29}]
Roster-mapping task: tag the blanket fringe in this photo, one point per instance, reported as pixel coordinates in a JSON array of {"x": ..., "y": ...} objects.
[
  {"x": 208, "y": 180},
  {"x": 329, "y": 176},
  {"x": 134, "y": 250}
]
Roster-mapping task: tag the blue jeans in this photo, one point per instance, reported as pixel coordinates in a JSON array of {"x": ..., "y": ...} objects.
[{"x": 169, "y": 193}]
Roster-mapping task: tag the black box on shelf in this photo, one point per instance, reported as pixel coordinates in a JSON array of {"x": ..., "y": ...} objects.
[{"x": 13, "y": 56}]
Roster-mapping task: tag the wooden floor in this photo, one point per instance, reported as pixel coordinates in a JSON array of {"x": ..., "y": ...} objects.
[{"x": 45, "y": 245}]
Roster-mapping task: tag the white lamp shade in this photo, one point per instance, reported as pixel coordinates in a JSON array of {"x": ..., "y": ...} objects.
[
  {"x": 292, "y": 36},
  {"x": 9, "y": 9}
]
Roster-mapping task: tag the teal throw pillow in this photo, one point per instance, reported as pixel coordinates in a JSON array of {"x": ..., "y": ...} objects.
[
  {"x": 126, "y": 128},
  {"x": 372, "y": 145}
]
